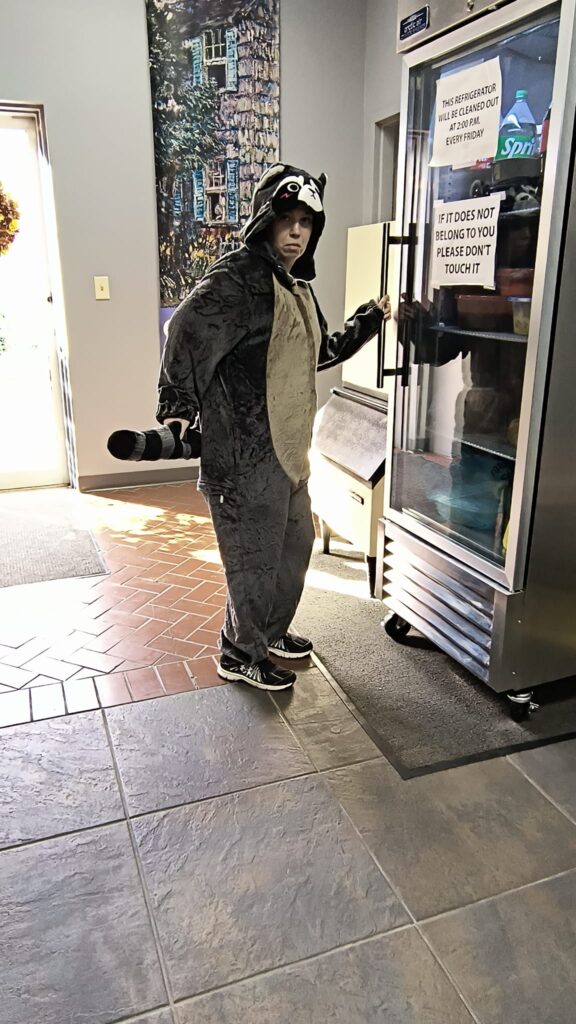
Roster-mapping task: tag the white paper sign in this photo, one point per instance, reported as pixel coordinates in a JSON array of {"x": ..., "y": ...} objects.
[
  {"x": 464, "y": 241},
  {"x": 467, "y": 118}
]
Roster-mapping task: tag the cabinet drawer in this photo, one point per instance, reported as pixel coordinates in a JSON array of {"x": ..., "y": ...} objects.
[{"x": 349, "y": 506}]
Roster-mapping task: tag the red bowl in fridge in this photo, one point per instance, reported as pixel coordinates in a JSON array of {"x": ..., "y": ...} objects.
[
  {"x": 512, "y": 281},
  {"x": 484, "y": 313}
]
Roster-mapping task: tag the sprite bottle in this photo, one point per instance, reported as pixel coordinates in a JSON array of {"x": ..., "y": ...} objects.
[{"x": 517, "y": 136}]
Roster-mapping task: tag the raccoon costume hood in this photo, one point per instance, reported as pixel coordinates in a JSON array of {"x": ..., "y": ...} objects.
[
  {"x": 279, "y": 190},
  {"x": 243, "y": 348}
]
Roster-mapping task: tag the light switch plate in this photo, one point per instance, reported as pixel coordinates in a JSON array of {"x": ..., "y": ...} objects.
[{"x": 102, "y": 287}]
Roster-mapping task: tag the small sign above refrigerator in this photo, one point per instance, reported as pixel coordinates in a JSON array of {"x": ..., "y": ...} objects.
[
  {"x": 417, "y": 24},
  {"x": 414, "y": 23}
]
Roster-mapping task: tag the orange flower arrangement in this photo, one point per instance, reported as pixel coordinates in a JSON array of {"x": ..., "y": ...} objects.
[{"x": 9, "y": 220}]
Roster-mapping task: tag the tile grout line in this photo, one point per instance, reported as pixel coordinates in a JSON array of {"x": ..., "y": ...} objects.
[
  {"x": 146, "y": 1014},
  {"x": 377, "y": 758},
  {"x": 448, "y": 973},
  {"x": 223, "y": 796},
  {"x": 340, "y": 693},
  {"x": 498, "y": 896},
  {"x": 321, "y": 771},
  {"x": 438, "y": 917},
  {"x": 543, "y": 792},
  {"x": 455, "y": 910},
  {"x": 356, "y": 714},
  {"x": 140, "y": 870},
  {"x": 414, "y": 922},
  {"x": 333, "y": 768},
  {"x": 283, "y": 719},
  {"x": 333, "y": 951},
  {"x": 189, "y": 674},
  {"x": 238, "y": 792},
  {"x": 160, "y": 680},
  {"x": 65, "y": 701},
  {"x": 372, "y": 855},
  {"x": 68, "y": 832},
  {"x": 60, "y": 835}
]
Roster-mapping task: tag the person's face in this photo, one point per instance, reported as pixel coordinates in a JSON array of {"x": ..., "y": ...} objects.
[{"x": 290, "y": 234}]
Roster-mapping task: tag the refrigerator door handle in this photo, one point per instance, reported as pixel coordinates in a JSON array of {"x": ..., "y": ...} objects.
[
  {"x": 406, "y": 326},
  {"x": 389, "y": 239}
]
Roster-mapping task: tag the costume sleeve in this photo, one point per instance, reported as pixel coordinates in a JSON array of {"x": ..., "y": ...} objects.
[
  {"x": 177, "y": 396},
  {"x": 358, "y": 329},
  {"x": 203, "y": 330}
]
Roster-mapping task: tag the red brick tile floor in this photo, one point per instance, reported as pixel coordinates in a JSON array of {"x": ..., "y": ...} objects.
[{"x": 148, "y": 628}]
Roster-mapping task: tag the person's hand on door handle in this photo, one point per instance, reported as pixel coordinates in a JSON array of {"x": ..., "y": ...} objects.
[{"x": 384, "y": 305}]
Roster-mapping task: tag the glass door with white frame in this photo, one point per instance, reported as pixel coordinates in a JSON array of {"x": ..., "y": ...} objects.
[{"x": 32, "y": 438}]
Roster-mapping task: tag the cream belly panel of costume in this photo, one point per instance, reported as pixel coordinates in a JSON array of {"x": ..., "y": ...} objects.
[{"x": 291, "y": 377}]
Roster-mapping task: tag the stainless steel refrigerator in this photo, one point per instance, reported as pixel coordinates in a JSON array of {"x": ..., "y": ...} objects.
[{"x": 478, "y": 544}]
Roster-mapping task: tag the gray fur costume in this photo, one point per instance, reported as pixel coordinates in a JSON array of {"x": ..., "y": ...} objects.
[{"x": 242, "y": 352}]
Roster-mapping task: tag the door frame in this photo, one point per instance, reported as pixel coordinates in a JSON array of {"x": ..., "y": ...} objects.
[{"x": 35, "y": 111}]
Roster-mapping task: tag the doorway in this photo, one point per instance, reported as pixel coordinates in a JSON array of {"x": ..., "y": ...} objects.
[
  {"x": 33, "y": 449},
  {"x": 386, "y": 145}
]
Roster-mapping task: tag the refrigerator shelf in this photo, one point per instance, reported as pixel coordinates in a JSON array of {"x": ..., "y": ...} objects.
[
  {"x": 491, "y": 335},
  {"x": 517, "y": 169},
  {"x": 519, "y": 214},
  {"x": 499, "y": 448}
]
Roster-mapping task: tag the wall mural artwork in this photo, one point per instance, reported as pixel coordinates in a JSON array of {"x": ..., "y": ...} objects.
[{"x": 215, "y": 76}]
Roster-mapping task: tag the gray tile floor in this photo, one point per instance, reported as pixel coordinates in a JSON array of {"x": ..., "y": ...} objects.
[{"x": 219, "y": 858}]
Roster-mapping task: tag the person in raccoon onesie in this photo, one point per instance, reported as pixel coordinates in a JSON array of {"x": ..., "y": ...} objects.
[{"x": 240, "y": 359}]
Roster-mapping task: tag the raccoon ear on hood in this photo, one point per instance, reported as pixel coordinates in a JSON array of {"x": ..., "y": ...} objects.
[
  {"x": 282, "y": 187},
  {"x": 273, "y": 172}
]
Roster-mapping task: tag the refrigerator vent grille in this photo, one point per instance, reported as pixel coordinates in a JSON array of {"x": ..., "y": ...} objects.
[{"x": 446, "y": 604}]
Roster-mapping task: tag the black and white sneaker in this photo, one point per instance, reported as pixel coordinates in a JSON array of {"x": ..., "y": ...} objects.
[
  {"x": 264, "y": 675},
  {"x": 291, "y": 646}
]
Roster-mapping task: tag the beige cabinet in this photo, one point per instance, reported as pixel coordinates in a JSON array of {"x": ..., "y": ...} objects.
[
  {"x": 349, "y": 506},
  {"x": 347, "y": 479}
]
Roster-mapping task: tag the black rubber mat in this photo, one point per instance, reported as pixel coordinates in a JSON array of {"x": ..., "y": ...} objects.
[{"x": 422, "y": 709}]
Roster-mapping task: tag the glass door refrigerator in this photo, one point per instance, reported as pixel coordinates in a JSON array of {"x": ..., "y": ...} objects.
[{"x": 478, "y": 544}]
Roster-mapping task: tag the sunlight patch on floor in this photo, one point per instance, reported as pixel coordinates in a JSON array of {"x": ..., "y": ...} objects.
[
  {"x": 334, "y": 584},
  {"x": 207, "y": 555},
  {"x": 49, "y": 606},
  {"x": 112, "y": 514}
]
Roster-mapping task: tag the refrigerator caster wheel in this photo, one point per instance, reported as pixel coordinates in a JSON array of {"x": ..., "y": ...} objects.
[
  {"x": 396, "y": 628},
  {"x": 521, "y": 705}
]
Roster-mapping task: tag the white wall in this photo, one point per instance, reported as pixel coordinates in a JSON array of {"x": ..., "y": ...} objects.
[
  {"x": 321, "y": 128},
  {"x": 86, "y": 61},
  {"x": 381, "y": 85}
]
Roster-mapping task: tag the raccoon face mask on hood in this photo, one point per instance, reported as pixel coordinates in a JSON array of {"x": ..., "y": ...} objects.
[{"x": 280, "y": 189}]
